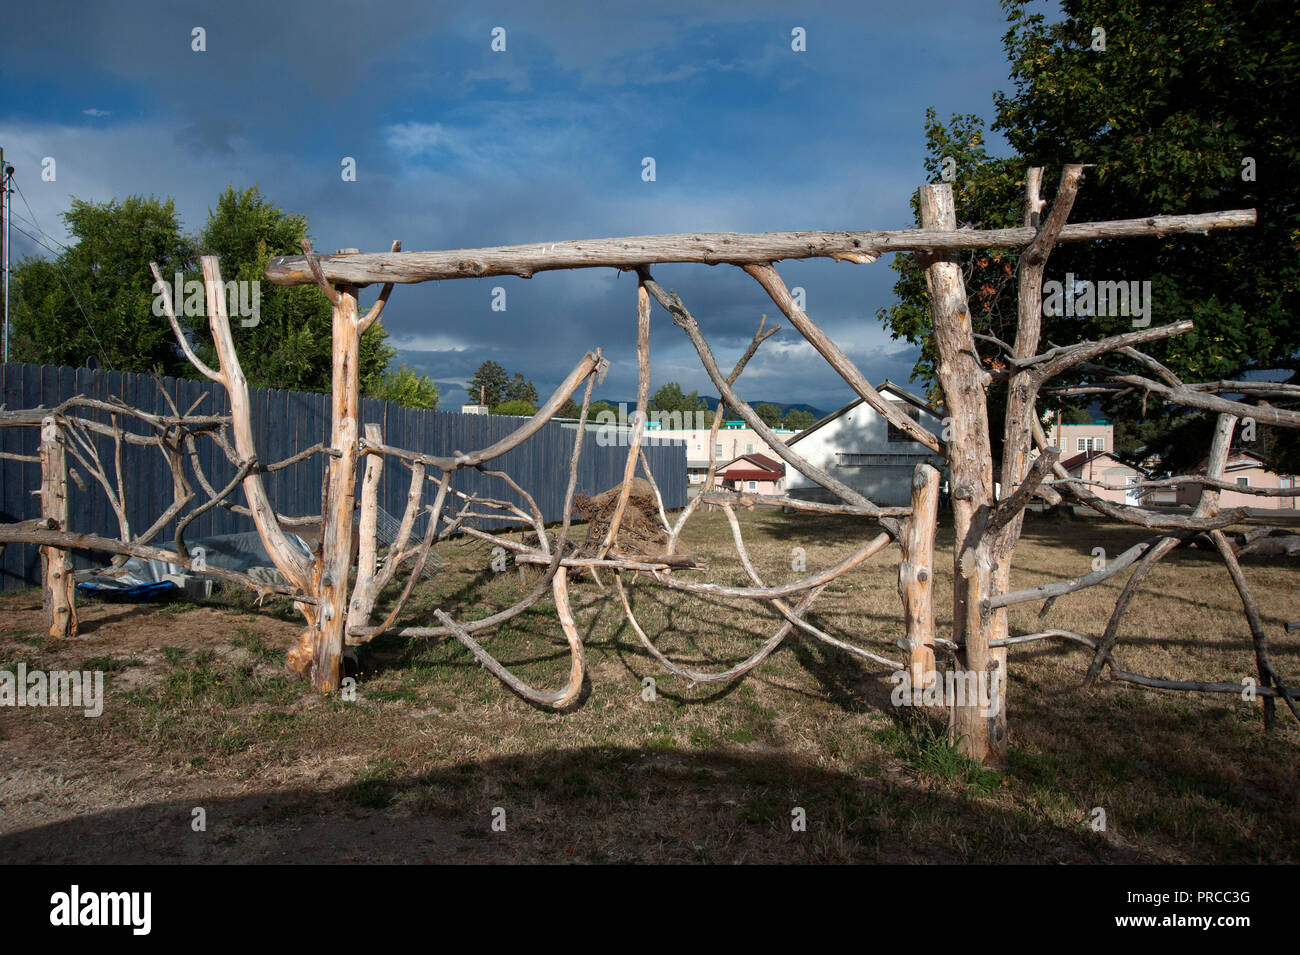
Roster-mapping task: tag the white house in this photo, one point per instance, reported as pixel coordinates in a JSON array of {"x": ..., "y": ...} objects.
[{"x": 860, "y": 448}]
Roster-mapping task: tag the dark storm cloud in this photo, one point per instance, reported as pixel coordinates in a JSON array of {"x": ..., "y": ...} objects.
[{"x": 457, "y": 147}]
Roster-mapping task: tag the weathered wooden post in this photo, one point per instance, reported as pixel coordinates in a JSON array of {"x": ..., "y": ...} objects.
[
  {"x": 916, "y": 576},
  {"x": 340, "y": 501},
  {"x": 980, "y": 734},
  {"x": 365, "y": 591},
  {"x": 57, "y": 584}
]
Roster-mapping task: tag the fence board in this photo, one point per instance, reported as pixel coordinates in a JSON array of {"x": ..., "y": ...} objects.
[{"x": 285, "y": 422}]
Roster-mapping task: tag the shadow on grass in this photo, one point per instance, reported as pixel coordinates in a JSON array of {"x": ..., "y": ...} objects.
[{"x": 593, "y": 804}]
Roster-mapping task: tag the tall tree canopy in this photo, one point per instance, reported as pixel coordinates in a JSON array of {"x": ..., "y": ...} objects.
[
  {"x": 1190, "y": 107},
  {"x": 291, "y": 345},
  {"x": 95, "y": 300}
]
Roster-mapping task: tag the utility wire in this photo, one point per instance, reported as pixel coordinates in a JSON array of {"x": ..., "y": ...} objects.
[{"x": 71, "y": 291}]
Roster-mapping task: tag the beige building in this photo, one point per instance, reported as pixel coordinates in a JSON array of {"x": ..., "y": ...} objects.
[{"x": 1074, "y": 439}]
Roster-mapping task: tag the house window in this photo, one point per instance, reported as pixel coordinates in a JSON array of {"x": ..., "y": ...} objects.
[
  {"x": 719, "y": 450},
  {"x": 753, "y": 485},
  {"x": 895, "y": 435},
  {"x": 749, "y": 449},
  {"x": 1081, "y": 444},
  {"x": 1243, "y": 482},
  {"x": 1099, "y": 444}
]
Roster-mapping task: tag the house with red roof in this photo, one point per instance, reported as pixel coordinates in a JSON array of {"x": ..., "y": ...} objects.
[
  {"x": 1103, "y": 468},
  {"x": 752, "y": 474}
]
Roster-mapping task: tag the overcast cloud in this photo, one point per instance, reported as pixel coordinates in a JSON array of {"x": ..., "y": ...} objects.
[{"x": 457, "y": 146}]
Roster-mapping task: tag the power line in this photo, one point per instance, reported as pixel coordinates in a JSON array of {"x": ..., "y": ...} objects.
[
  {"x": 71, "y": 291},
  {"x": 23, "y": 196}
]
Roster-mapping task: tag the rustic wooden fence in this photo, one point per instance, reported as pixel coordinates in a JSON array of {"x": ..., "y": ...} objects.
[{"x": 285, "y": 422}]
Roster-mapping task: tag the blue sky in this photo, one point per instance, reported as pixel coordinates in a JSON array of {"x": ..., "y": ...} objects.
[{"x": 458, "y": 146}]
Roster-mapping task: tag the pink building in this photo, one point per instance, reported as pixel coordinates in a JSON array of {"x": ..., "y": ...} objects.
[
  {"x": 1246, "y": 470},
  {"x": 1104, "y": 468},
  {"x": 753, "y": 474}
]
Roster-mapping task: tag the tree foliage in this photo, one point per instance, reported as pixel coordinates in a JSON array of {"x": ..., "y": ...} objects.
[
  {"x": 796, "y": 419},
  {"x": 98, "y": 298},
  {"x": 769, "y": 414},
  {"x": 670, "y": 398},
  {"x": 95, "y": 300},
  {"x": 291, "y": 346},
  {"x": 489, "y": 383},
  {"x": 1182, "y": 96}
]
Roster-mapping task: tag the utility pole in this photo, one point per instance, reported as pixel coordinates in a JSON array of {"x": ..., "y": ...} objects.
[{"x": 6, "y": 206}]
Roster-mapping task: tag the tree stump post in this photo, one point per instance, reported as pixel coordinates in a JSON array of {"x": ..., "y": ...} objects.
[
  {"x": 978, "y": 728},
  {"x": 331, "y": 570},
  {"x": 57, "y": 584},
  {"x": 916, "y": 576}
]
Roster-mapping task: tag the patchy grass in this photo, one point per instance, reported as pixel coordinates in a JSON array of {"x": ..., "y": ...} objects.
[{"x": 201, "y": 712}]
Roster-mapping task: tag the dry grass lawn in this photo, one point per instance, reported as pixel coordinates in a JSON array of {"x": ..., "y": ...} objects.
[{"x": 199, "y": 714}]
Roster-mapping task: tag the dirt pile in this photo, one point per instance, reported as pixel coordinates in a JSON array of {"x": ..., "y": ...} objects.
[{"x": 639, "y": 530}]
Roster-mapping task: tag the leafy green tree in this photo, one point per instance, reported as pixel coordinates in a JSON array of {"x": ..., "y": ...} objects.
[
  {"x": 96, "y": 299},
  {"x": 769, "y": 414},
  {"x": 409, "y": 389},
  {"x": 490, "y": 381},
  {"x": 516, "y": 406},
  {"x": 670, "y": 398},
  {"x": 520, "y": 389},
  {"x": 291, "y": 344},
  {"x": 598, "y": 406},
  {"x": 796, "y": 419},
  {"x": 1177, "y": 116}
]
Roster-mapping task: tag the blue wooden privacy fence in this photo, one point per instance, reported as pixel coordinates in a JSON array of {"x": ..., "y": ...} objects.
[{"x": 284, "y": 423}]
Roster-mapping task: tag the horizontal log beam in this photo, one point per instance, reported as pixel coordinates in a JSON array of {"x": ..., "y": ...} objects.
[{"x": 709, "y": 248}]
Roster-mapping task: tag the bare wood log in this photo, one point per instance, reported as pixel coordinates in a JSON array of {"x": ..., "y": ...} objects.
[
  {"x": 1206, "y": 507},
  {"x": 1058, "y": 360},
  {"x": 715, "y": 248},
  {"x": 767, "y": 277},
  {"x": 558, "y": 699},
  {"x": 58, "y": 589},
  {"x": 377, "y": 309},
  {"x": 330, "y": 573},
  {"x": 591, "y": 362},
  {"x": 748, "y": 500},
  {"x": 784, "y": 609},
  {"x": 870, "y": 549},
  {"x": 638, "y": 426},
  {"x": 34, "y": 532},
  {"x": 916, "y": 574},
  {"x": 1193, "y": 398},
  {"x": 981, "y": 737},
  {"x": 363, "y": 592},
  {"x": 1197, "y": 686},
  {"x": 285, "y": 557},
  {"x": 1192, "y": 480},
  {"x": 731, "y": 673},
  {"x": 672, "y": 303},
  {"x": 1268, "y": 676},
  {"x": 1044, "y": 635},
  {"x": 1060, "y": 588},
  {"x": 760, "y": 336}
]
